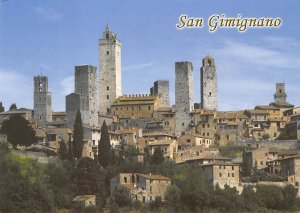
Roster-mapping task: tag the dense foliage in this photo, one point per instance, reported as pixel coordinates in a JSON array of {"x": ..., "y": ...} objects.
[
  {"x": 27, "y": 186},
  {"x": 18, "y": 131}
]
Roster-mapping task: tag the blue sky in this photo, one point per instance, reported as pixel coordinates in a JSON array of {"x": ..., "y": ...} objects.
[{"x": 51, "y": 37}]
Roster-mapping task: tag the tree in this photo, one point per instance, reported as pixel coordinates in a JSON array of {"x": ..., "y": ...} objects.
[
  {"x": 1, "y": 107},
  {"x": 70, "y": 151},
  {"x": 104, "y": 147},
  {"x": 18, "y": 131},
  {"x": 158, "y": 157},
  {"x": 173, "y": 194},
  {"x": 13, "y": 107},
  {"x": 90, "y": 179},
  {"x": 78, "y": 137},
  {"x": 122, "y": 196},
  {"x": 63, "y": 151}
]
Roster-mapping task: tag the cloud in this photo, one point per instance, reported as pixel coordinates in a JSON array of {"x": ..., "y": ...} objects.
[
  {"x": 67, "y": 85},
  {"x": 15, "y": 88},
  {"x": 248, "y": 70},
  {"x": 48, "y": 13},
  {"x": 137, "y": 67}
]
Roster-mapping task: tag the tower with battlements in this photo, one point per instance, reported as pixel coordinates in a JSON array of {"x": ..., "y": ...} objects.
[
  {"x": 110, "y": 84},
  {"x": 184, "y": 99},
  {"x": 161, "y": 89},
  {"x": 42, "y": 101},
  {"x": 209, "y": 99}
]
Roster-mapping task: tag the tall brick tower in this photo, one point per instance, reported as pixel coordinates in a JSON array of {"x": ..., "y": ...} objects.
[
  {"x": 209, "y": 98},
  {"x": 109, "y": 71},
  {"x": 184, "y": 97},
  {"x": 84, "y": 98},
  {"x": 42, "y": 101}
]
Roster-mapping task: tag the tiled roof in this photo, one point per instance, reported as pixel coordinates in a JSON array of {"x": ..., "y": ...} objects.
[{"x": 154, "y": 177}]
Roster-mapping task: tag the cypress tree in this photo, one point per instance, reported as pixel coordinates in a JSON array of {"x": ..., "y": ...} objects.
[
  {"x": 62, "y": 151},
  {"x": 78, "y": 137},
  {"x": 13, "y": 107},
  {"x": 104, "y": 147},
  {"x": 1, "y": 107},
  {"x": 70, "y": 151}
]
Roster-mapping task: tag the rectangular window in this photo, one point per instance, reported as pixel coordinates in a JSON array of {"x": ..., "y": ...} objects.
[
  {"x": 149, "y": 107},
  {"x": 107, "y": 52},
  {"x": 220, "y": 174},
  {"x": 232, "y": 167},
  {"x": 107, "y": 97},
  {"x": 107, "y": 88},
  {"x": 125, "y": 179},
  {"x": 232, "y": 175},
  {"x": 228, "y": 174}
]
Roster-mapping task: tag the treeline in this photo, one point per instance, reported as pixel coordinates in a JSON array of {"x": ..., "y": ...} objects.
[{"x": 26, "y": 186}]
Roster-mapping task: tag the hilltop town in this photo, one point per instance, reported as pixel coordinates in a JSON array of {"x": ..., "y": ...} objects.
[{"x": 231, "y": 149}]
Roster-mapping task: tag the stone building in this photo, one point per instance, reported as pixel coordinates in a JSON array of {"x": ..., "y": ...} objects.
[
  {"x": 161, "y": 88},
  {"x": 110, "y": 83},
  {"x": 135, "y": 106},
  {"x": 142, "y": 187},
  {"x": 184, "y": 99},
  {"x": 209, "y": 98},
  {"x": 84, "y": 99},
  {"x": 42, "y": 101},
  {"x": 222, "y": 174}
]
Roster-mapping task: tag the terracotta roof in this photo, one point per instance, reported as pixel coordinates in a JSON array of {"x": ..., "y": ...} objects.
[
  {"x": 157, "y": 134},
  {"x": 164, "y": 109},
  {"x": 231, "y": 123},
  {"x": 58, "y": 113},
  {"x": 257, "y": 112},
  {"x": 220, "y": 164},
  {"x": 208, "y": 113},
  {"x": 160, "y": 142},
  {"x": 154, "y": 177},
  {"x": 266, "y": 107},
  {"x": 208, "y": 156},
  {"x": 126, "y": 131}
]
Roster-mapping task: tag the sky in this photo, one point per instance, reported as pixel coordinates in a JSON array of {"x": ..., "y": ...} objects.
[{"x": 52, "y": 37}]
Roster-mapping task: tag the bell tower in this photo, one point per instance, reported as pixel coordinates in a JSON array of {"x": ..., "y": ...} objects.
[{"x": 110, "y": 84}]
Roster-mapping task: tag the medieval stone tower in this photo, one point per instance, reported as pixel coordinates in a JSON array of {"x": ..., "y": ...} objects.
[
  {"x": 161, "y": 88},
  {"x": 280, "y": 95},
  {"x": 84, "y": 97},
  {"x": 209, "y": 98},
  {"x": 109, "y": 71},
  {"x": 184, "y": 100},
  {"x": 42, "y": 101}
]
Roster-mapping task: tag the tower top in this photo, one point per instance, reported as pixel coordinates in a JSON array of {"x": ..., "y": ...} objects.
[
  {"x": 107, "y": 28},
  {"x": 208, "y": 61}
]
